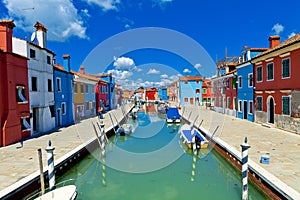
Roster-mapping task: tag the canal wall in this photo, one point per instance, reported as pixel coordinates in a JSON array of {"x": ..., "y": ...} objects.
[
  {"x": 214, "y": 125},
  {"x": 24, "y": 187}
]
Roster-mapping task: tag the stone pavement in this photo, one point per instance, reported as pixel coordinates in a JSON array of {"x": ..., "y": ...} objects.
[
  {"x": 18, "y": 161},
  {"x": 283, "y": 146}
]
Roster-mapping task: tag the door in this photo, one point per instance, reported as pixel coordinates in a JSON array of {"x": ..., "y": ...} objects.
[
  {"x": 58, "y": 118},
  {"x": 35, "y": 117},
  {"x": 192, "y": 101},
  {"x": 245, "y": 111},
  {"x": 271, "y": 110}
]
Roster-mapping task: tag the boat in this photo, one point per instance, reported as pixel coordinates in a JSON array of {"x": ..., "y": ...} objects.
[
  {"x": 187, "y": 134},
  {"x": 125, "y": 129},
  {"x": 173, "y": 116},
  {"x": 66, "y": 192}
]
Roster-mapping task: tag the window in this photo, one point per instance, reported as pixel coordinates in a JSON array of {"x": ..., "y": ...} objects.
[
  {"x": 52, "y": 111},
  {"x": 228, "y": 102},
  {"x": 86, "y": 88},
  {"x": 250, "y": 80},
  {"x": 259, "y": 74},
  {"x": 197, "y": 91},
  {"x": 21, "y": 94},
  {"x": 91, "y": 105},
  {"x": 75, "y": 88},
  {"x": 204, "y": 90},
  {"x": 63, "y": 108},
  {"x": 259, "y": 103},
  {"x": 240, "y": 82},
  {"x": 25, "y": 124},
  {"x": 58, "y": 83},
  {"x": 240, "y": 106},
  {"x": 49, "y": 85},
  {"x": 234, "y": 82},
  {"x": 32, "y": 53},
  {"x": 34, "y": 83},
  {"x": 197, "y": 82},
  {"x": 286, "y": 102},
  {"x": 49, "y": 60},
  {"x": 81, "y": 88},
  {"x": 250, "y": 107},
  {"x": 185, "y": 82},
  {"x": 87, "y": 106},
  {"x": 186, "y": 100},
  {"x": 235, "y": 103},
  {"x": 270, "y": 71},
  {"x": 286, "y": 68}
]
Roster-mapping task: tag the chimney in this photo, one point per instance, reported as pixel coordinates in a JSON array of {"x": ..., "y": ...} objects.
[
  {"x": 41, "y": 34},
  {"x": 81, "y": 70},
  {"x": 6, "y": 30},
  {"x": 274, "y": 40},
  {"x": 66, "y": 58}
]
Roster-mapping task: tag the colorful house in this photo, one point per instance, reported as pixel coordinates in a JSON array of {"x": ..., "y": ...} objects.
[
  {"x": 277, "y": 85},
  {"x": 225, "y": 86},
  {"x": 151, "y": 94},
  {"x": 245, "y": 89},
  {"x": 190, "y": 90},
  {"x": 163, "y": 94},
  {"x": 40, "y": 78},
  {"x": 207, "y": 92},
  {"x": 63, "y": 93},
  {"x": 14, "y": 95},
  {"x": 101, "y": 94},
  {"x": 110, "y": 103},
  {"x": 173, "y": 91}
]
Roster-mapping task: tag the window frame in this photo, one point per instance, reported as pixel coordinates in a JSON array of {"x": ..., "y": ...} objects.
[
  {"x": 50, "y": 88},
  {"x": 21, "y": 99},
  {"x": 250, "y": 80},
  {"x": 261, "y": 74},
  {"x": 250, "y": 107},
  {"x": 240, "y": 105},
  {"x": 261, "y": 103},
  {"x": 58, "y": 84},
  {"x": 289, "y": 68},
  {"x": 63, "y": 108},
  {"x": 32, "y": 53},
  {"x": 289, "y": 106},
  {"x": 240, "y": 78},
  {"x": 34, "y": 89},
  {"x": 267, "y": 66}
]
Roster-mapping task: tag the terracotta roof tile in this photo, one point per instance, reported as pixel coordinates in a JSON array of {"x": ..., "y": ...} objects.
[{"x": 190, "y": 78}]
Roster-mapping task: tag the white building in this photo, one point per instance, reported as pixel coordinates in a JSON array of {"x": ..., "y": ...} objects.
[{"x": 40, "y": 78}]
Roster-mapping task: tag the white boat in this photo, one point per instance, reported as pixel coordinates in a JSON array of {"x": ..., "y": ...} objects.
[
  {"x": 63, "y": 193},
  {"x": 187, "y": 134}
]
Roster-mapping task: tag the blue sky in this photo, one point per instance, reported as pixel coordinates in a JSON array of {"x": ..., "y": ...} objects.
[{"x": 77, "y": 27}]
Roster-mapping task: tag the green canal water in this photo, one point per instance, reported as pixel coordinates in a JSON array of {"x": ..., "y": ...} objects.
[{"x": 153, "y": 163}]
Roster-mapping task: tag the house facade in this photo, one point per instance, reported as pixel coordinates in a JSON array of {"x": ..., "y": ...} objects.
[
  {"x": 245, "y": 89},
  {"x": 173, "y": 91},
  {"x": 207, "y": 92},
  {"x": 63, "y": 93},
  {"x": 101, "y": 94},
  {"x": 40, "y": 79},
  {"x": 111, "y": 99},
  {"x": 14, "y": 95},
  {"x": 277, "y": 85},
  {"x": 151, "y": 94},
  {"x": 163, "y": 94},
  {"x": 190, "y": 90}
]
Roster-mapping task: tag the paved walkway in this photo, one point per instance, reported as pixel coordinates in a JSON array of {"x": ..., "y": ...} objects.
[
  {"x": 18, "y": 161},
  {"x": 283, "y": 146}
]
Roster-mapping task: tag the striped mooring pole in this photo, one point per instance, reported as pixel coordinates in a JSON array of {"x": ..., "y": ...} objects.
[
  {"x": 50, "y": 159},
  {"x": 245, "y": 148},
  {"x": 194, "y": 157},
  {"x": 103, "y": 153}
]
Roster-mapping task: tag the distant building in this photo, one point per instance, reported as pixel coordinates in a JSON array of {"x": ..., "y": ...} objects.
[
  {"x": 126, "y": 95},
  {"x": 151, "y": 94},
  {"x": 224, "y": 83},
  {"x": 118, "y": 94},
  {"x": 207, "y": 92},
  {"x": 14, "y": 91},
  {"x": 190, "y": 90},
  {"x": 245, "y": 89},
  {"x": 277, "y": 85},
  {"x": 163, "y": 94},
  {"x": 173, "y": 91},
  {"x": 40, "y": 78},
  {"x": 111, "y": 101},
  {"x": 101, "y": 94},
  {"x": 63, "y": 93}
]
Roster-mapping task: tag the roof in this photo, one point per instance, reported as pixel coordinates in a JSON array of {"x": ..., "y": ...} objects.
[
  {"x": 59, "y": 67},
  {"x": 190, "y": 78},
  {"x": 10, "y": 23},
  {"x": 40, "y": 26},
  {"x": 87, "y": 76},
  {"x": 286, "y": 43}
]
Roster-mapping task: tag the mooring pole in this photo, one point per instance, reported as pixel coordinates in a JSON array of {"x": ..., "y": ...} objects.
[
  {"x": 103, "y": 153},
  {"x": 245, "y": 148},
  {"x": 50, "y": 158},
  {"x": 194, "y": 156},
  {"x": 41, "y": 171}
]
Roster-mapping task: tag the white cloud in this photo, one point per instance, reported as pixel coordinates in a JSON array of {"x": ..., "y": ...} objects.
[
  {"x": 292, "y": 34},
  {"x": 153, "y": 71},
  {"x": 124, "y": 63},
  {"x": 278, "y": 28},
  {"x": 186, "y": 71},
  {"x": 120, "y": 75},
  {"x": 105, "y": 4},
  {"x": 198, "y": 65},
  {"x": 60, "y": 17},
  {"x": 164, "y": 76},
  {"x": 161, "y": 3}
]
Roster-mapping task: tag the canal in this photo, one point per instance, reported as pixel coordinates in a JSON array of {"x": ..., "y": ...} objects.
[{"x": 152, "y": 163}]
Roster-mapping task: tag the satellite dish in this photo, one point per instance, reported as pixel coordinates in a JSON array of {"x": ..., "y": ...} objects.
[{"x": 33, "y": 35}]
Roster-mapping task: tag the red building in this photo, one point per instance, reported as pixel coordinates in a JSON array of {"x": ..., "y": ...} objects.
[
  {"x": 151, "y": 94},
  {"x": 14, "y": 96},
  {"x": 101, "y": 94},
  {"x": 277, "y": 85},
  {"x": 207, "y": 92}
]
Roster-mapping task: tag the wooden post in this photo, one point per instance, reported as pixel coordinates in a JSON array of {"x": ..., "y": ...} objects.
[{"x": 41, "y": 171}]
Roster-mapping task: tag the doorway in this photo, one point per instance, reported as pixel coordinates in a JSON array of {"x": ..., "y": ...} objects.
[
  {"x": 245, "y": 111},
  {"x": 35, "y": 118},
  {"x": 58, "y": 118},
  {"x": 271, "y": 110}
]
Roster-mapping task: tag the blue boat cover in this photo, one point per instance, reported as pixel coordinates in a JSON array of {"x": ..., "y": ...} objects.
[
  {"x": 198, "y": 135},
  {"x": 173, "y": 113},
  {"x": 188, "y": 135}
]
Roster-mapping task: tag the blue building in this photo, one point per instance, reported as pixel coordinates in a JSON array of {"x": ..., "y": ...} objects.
[
  {"x": 112, "y": 100},
  {"x": 63, "y": 93},
  {"x": 190, "y": 90},
  {"x": 163, "y": 94},
  {"x": 245, "y": 89}
]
